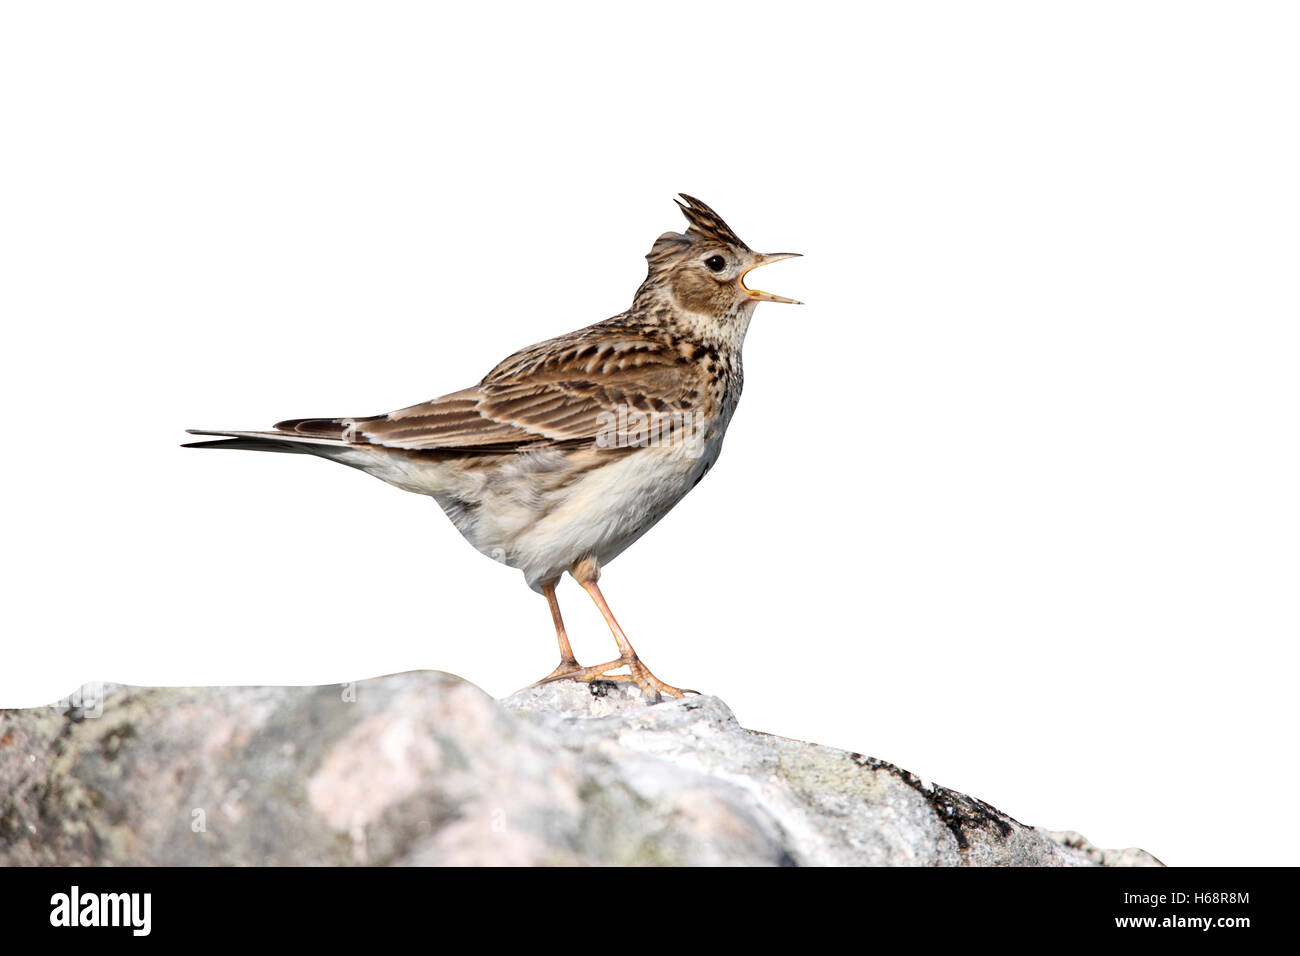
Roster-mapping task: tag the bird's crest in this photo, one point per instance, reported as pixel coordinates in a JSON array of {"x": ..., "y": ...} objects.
[{"x": 707, "y": 224}]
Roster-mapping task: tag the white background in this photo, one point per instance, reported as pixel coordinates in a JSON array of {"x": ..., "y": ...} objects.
[{"x": 1011, "y": 502}]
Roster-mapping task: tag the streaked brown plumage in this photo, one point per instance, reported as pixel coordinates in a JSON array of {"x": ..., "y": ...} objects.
[{"x": 571, "y": 449}]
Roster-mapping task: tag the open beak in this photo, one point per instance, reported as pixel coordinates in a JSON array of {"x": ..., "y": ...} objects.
[{"x": 764, "y": 260}]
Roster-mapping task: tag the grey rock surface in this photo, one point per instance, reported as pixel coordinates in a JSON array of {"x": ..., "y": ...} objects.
[{"x": 424, "y": 768}]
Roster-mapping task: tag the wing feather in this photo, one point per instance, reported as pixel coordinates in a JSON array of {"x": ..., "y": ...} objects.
[{"x": 563, "y": 390}]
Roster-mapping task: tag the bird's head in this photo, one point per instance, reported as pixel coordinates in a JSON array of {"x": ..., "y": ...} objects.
[{"x": 704, "y": 269}]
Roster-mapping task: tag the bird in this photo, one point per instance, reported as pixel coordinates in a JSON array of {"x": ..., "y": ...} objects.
[{"x": 568, "y": 451}]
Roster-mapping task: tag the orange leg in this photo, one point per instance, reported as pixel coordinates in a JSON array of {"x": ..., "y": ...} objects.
[
  {"x": 568, "y": 665},
  {"x": 586, "y": 573}
]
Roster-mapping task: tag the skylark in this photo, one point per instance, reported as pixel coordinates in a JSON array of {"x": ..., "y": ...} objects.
[{"x": 570, "y": 450}]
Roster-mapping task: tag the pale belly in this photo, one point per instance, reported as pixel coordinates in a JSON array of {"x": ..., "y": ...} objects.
[{"x": 544, "y": 511}]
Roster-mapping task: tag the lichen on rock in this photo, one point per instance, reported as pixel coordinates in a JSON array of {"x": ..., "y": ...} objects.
[{"x": 424, "y": 768}]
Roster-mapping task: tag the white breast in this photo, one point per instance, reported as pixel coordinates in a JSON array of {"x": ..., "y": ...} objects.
[{"x": 521, "y": 515}]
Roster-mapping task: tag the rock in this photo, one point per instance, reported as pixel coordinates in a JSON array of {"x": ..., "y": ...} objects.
[{"x": 424, "y": 768}]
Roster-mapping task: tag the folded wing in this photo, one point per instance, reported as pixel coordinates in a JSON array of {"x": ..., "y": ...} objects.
[{"x": 564, "y": 391}]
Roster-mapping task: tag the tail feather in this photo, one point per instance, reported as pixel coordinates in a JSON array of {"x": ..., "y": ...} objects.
[
  {"x": 322, "y": 427},
  {"x": 389, "y": 465},
  {"x": 267, "y": 441},
  {"x": 250, "y": 444}
]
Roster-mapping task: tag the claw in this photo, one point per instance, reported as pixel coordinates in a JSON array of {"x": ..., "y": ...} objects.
[
  {"x": 563, "y": 669},
  {"x": 637, "y": 674}
]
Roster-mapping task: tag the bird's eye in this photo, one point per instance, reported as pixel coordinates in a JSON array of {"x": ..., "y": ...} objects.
[{"x": 715, "y": 263}]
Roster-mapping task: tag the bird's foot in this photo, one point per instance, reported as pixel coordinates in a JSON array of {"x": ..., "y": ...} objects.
[
  {"x": 637, "y": 674},
  {"x": 566, "y": 668}
]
